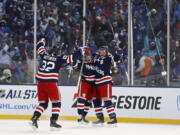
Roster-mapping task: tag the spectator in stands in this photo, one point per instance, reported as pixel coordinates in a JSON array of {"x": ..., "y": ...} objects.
[
  {"x": 175, "y": 60},
  {"x": 4, "y": 29},
  {"x": 5, "y": 61},
  {"x": 155, "y": 22},
  {"x": 176, "y": 21},
  {"x": 5, "y": 58},
  {"x": 148, "y": 58},
  {"x": 61, "y": 20},
  {"x": 176, "y": 17},
  {"x": 19, "y": 71}
]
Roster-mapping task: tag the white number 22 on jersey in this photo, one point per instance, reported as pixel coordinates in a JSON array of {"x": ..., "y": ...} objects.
[{"x": 47, "y": 66}]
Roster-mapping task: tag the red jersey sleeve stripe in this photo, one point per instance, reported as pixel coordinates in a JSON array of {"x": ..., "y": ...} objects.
[
  {"x": 70, "y": 60},
  {"x": 41, "y": 49}
]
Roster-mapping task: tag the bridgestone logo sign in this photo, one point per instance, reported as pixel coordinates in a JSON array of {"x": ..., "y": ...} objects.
[{"x": 137, "y": 102}]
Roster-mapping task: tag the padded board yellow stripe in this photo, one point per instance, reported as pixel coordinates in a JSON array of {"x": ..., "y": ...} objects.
[{"x": 120, "y": 119}]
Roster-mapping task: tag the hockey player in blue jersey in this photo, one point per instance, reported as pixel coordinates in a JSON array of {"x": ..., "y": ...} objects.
[
  {"x": 86, "y": 87},
  {"x": 47, "y": 82},
  {"x": 103, "y": 82}
]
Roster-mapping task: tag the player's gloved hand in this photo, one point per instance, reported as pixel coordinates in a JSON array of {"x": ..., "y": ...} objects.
[
  {"x": 69, "y": 68},
  {"x": 42, "y": 41},
  {"x": 115, "y": 70}
]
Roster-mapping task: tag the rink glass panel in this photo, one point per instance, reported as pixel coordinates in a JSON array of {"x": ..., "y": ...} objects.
[
  {"x": 105, "y": 25},
  {"x": 149, "y": 42},
  {"x": 174, "y": 45},
  {"x": 16, "y": 42},
  {"x": 54, "y": 19}
]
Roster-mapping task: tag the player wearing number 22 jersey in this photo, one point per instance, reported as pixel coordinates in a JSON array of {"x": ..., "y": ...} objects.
[{"x": 47, "y": 77}]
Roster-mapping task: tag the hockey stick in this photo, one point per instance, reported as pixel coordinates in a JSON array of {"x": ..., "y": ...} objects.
[
  {"x": 87, "y": 41},
  {"x": 163, "y": 72}
]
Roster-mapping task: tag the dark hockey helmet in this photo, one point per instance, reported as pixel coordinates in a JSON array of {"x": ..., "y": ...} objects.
[
  {"x": 103, "y": 51},
  {"x": 55, "y": 50},
  {"x": 103, "y": 48}
]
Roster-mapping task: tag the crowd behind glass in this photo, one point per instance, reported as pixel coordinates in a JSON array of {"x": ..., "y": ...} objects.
[{"x": 60, "y": 21}]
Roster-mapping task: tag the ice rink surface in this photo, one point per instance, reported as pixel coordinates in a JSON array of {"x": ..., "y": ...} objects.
[{"x": 21, "y": 127}]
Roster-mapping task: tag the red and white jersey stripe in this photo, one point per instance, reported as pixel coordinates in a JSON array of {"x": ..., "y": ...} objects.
[
  {"x": 103, "y": 80},
  {"x": 47, "y": 76},
  {"x": 41, "y": 49},
  {"x": 70, "y": 59},
  {"x": 89, "y": 78}
]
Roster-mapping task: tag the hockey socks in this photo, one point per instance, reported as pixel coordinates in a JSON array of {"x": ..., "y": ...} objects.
[
  {"x": 111, "y": 112},
  {"x": 86, "y": 107},
  {"x": 80, "y": 106},
  {"x": 98, "y": 111},
  {"x": 83, "y": 108},
  {"x": 56, "y": 106},
  {"x": 40, "y": 109}
]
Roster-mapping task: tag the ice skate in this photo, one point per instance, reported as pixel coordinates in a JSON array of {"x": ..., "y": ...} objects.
[
  {"x": 113, "y": 122},
  {"x": 83, "y": 120},
  {"x": 53, "y": 125},
  {"x": 99, "y": 122},
  {"x": 33, "y": 123}
]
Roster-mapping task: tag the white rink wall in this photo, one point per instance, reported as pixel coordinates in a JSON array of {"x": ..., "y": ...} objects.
[{"x": 133, "y": 104}]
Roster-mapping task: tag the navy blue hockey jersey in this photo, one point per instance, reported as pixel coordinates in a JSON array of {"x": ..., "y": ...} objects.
[
  {"x": 88, "y": 72},
  {"x": 49, "y": 65},
  {"x": 103, "y": 73}
]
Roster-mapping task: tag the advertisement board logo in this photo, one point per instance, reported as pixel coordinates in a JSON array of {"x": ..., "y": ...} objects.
[
  {"x": 74, "y": 105},
  {"x": 2, "y": 93},
  {"x": 178, "y": 102}
]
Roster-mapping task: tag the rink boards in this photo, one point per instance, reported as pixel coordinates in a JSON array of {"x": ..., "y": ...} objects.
[{"x": 132, "y": 104}]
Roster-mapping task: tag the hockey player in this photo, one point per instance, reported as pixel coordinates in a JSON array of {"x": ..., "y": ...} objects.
[
  {"x": 86, "y": 87},
  {"x": 103, "y": 83},
  {"x": 47, "y": 77}
]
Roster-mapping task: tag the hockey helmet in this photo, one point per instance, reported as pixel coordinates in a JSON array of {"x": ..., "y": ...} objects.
[
  {"x": 103, "y": 48},
  {"x": 103, "y": 51},
  {"x": 55, "y": 50}
]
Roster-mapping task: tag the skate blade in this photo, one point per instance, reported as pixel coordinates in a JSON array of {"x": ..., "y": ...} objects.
[
  {"x": 112, "y": 125},
  {"x": 98, "y": 125},
  {"x": 33, "y": 127},
  {"x": 54, "y": 129},
  {"x": 83, "y": 123}
]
